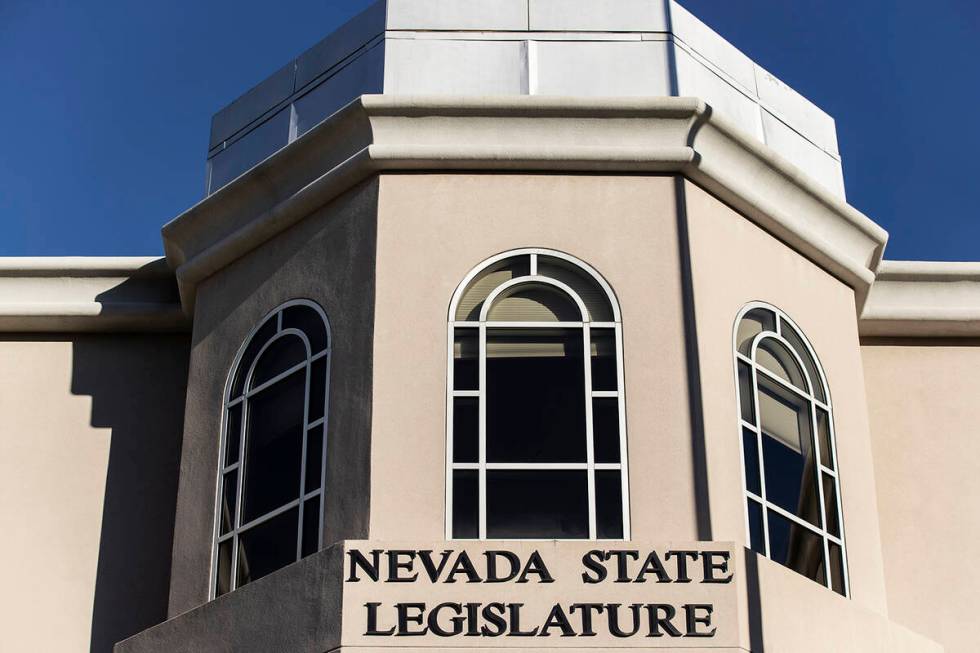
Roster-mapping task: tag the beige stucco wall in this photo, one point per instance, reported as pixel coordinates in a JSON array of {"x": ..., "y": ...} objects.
[
  {"x": 925, "y": 422},
  {"x": 89, "y": 448},
  {"x": 432, "y": 231}
]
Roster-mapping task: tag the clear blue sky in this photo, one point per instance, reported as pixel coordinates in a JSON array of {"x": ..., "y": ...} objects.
[{"x": 106, "y": 107}]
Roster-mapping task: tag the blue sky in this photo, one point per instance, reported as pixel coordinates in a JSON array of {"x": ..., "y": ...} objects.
[{"x": 107, "y": 104}]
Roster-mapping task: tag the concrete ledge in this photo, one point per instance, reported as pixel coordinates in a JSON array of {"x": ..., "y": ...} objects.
[
  {"x": 923, "y": 299},
  {"x": 82, "y": 294},
  {"x": 378, "y": 133}
]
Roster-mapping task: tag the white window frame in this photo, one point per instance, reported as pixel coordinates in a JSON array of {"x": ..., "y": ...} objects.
[
  {"x": 482, "y": 466},
  {"x": 757, "y": 370},
  {"x": 229, "y": 402}
]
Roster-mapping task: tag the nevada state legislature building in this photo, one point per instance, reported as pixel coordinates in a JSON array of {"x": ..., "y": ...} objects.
[{"x": 513, "y": 325}]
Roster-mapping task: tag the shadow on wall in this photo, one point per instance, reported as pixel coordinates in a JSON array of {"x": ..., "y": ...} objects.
[{"x": 137, "y": 383}]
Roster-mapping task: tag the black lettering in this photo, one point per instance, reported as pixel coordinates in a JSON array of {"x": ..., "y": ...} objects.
[
  {"x": 515, "y": 566},
  {"x": 457, "y": 622},
  {"x": 493, "y": 614},
  {"x": 657, "y": 622},
  {"x": 557, "y": 619},
  {"x": 357, "y": 559},
  {"x": 622, "y": 573},
  {"x": 515, "y": 622},
  {"x": 472, "y": 612},
  {"x": 682, "y": 557},
  {"x": 404, "y": 619},
  {"x": 463, "y": 565},
  {"x": 396, "y": 564},
  {"x": 693, "y": 620},
  {"x": 535, "y": 565},
  {"x": 593, "y": 562},
  {"x": 612, "y": 614},
  {"x": 431, "y": 570},
  {"x": 653, "y": 564},
  {"x": 372, "y": 622},
  {"x": 587, "y": 609},
  {"x": 710, "y": 566}
]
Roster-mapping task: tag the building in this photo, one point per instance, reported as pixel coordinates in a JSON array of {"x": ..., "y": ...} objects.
[{"x": 540, "y": 324}]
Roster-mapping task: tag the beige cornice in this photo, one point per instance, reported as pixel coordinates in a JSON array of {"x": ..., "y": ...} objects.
[
  {"x": 389, "y": 133},
  {"x": 923, "y": 299},
  {"x": 82, "y": 294}
]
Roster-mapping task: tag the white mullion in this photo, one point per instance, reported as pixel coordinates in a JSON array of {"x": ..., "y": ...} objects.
[
  {"x": 320, "y": 354},
  {"x": 482, "y": 473},
  {"x": 589, "y": 444},
  {"x": 537, "y": 325},
  {"x": 302, "y": 460},
  {"x": 234, "y": 402},
  {"x": 450, "y": 393},
  {"x": 748, "y": 425},
  {"x": 815, "y": 440},
  {"x": 279, "y": 322},
  {"x": 790, "y": 516},
  {"x": 315, "y": 423},
  {"x": 279, "y": 377},
  {"x": 605, "y": 394},
  {"x": 762, "y": 468},
  {"x": 828, "y": 471},
  {"x": 269, "y": 515},
  {"x": 230, "y": 468},
  {"x": 775, "y": 378},
  {"x": 533, "y": 267},
  {"x": 605, "y": 325},
  {"x": 623, "y": 442},
  {"x": 464, "y": 393},
  {"x": 323, "y": 448}
]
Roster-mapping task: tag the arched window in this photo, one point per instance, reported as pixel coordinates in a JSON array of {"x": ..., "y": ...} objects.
[
  {"x": 273, "y": 447},
  {"x": 789, "y": 455},
  {"x": 536, "y": 445}
]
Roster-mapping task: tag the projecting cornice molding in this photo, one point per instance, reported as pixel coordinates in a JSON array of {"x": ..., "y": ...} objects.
[
  {"x": 923, "y": 299},
  {"x": 379, "y": 133},
  {"x": 89, "y": 294}
]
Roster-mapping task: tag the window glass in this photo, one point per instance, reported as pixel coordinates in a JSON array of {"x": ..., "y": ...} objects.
[
  {"x": 466, "y": 429},
  {"x": 801, "y": 350},
  {"x": 486, "y": 282},
  {"x": 534, "y": 302},
  {"x": 282, "y": 354},
  {"x": 466, "y": 363},
  {"x": 267, "y": 547},
  {"x": 605, "y": 429},
  {"x": 609, "y": 505},
  {"x": 585, "y": 286},
  {"x": 752, "y": 324},
  {"x": 465, "y": 504},
  {"x": 537, "y": 504},
  {"x": 603, "y": 351}
]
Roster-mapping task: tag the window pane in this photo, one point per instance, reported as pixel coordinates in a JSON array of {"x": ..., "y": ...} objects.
[
  {"x": 487, "y": 281},
  {"x": 745, "y": 397},
  {"x": 753, "y": 323},
  {"x": 314, "y": 458},
  {"x": 788, "y": 455},
  {"x": 604, "y": 359},
  {"x": 466, "y": 352},
  {"x": 750, "y": 450},
  {"x": 830, "y": 505},
  {"x": 273, "y": 446},
  {"x": 823, "y": 433},
  {"x": 794, "y": 339},
  {"x": 233, "y": 434},
  {"x": 535, "y": 395},
  {"x": 311, "y": 526},
  {"x": 537, "y": 504},
  {"x": 466, "y": 426},
  {"x": 773, "y": 356},
  {"x": 605, "y": 429},
  {"x": 267, "y": 547},
  {"x": 587, "y": 288},
  {"x": 281, "y": 355},
  {"x": 229, "y": 497},
  {"x": 757, "y": 536},
  {"x": 609, "y": 505},
  {"x": 261, "y": 336},
  {"x": 795, "y": 547},
  {"x": 836, "y": 568},
  {"x": 465, "y": 505},
  {"x": 318, "y": 388},
  {"x": 224, "y": 567},
  {"x": 307, "y": 320},
  {"x": 534, "y": 302}
]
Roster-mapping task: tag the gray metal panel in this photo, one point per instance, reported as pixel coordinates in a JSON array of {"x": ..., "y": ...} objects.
[
  {"x": 707, "y": 43},
  {"x": 694, "y": 79},
  {"x": 253, "y": 104},
  {"x": 362, "y": 76},
  {"x": 457, "y": 14},
  {"x": 598, "y": 15},
  {"x": 254, "y": 147},
  {"x": 340, "y": 44},
  {"x": 586, "y": 68},
  {"x": 455, "y": 67},
  {"x": 803, "y": 115},
  {"x": 820, "y": 166}
]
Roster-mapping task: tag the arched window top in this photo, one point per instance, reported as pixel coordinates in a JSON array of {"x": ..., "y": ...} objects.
[{"x": 524, "y": 285}]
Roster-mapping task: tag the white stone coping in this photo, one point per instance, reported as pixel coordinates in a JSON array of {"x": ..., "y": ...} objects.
[
  {"x": 923, "y": 299},
  {"x": 88, "y": 294}
]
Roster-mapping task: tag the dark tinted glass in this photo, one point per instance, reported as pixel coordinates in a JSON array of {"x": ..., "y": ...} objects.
[
  {"x": 229, "y": 496},
  {"x": 535, "y": 396},
  {"x": 466, "y": 426},
  {"x": 267, "y": 547},
  {"x": 830, "y": 505},
  {"x": 318, "y": 388},
  {"x": 750, "y": 449},
  {"x": 823, "y": 435},
  {"x": 790, "y": 480},
  {"x": 836, "y": 569},
  {"x": 794, "y": 339},
  {"x": 604, "y": 359},
  {"x": 314, "y": 458},
  {"x": 608, "y": 505},
  {"x": 262, "y": 336},
  {"x": 796, "y": 547},
  {"x": 537, "y": 505},
  {"x": 605, "y": 429},
  {"x": 273, "y": 447},
  {"x": 465, "y": 505},
  {"x": 756, "y": 533},
  {"x": 307, "y": 320},
  {"x": 466, "y": 352},
  {"x": 224, "y": 567},
  {"x": 745, "y": 393},
  {"x": 233, "y": 434},
  {"x": 281, "y": 355},
  {"x": 311, "y": 526}
]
